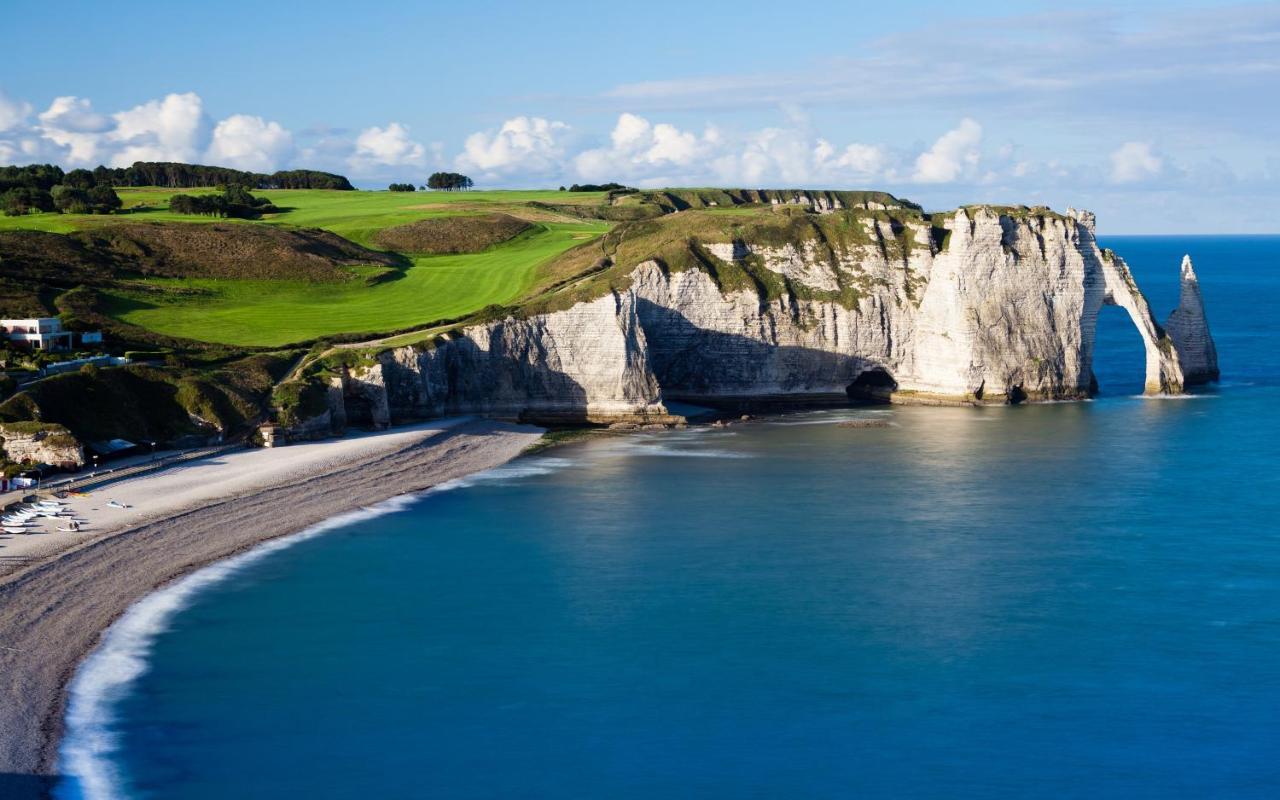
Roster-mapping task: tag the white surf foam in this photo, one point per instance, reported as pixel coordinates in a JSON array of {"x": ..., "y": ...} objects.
[
  {"x": 90, "y": 742},
  {"x": 675, "y": 452},
  {"x": 1172, "y": 396}
]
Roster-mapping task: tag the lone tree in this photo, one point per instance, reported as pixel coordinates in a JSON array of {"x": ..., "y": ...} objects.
[{"x": 449, "y": 181}]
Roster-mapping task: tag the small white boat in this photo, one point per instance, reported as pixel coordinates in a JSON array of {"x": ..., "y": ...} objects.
[
  {"x": 116, "y": 504},
  {"x": 8, "y": 529}
]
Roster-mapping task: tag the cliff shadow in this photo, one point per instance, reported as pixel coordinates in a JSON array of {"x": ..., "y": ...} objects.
[
  {"x": 460, "y": 377},
  {"x": 712, "y": 367}
]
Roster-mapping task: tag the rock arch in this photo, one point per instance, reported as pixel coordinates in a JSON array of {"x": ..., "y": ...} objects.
[{"x": 1163, "y": 370}]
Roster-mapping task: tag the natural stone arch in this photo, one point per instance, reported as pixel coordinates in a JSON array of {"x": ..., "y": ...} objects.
[{"x": 1118, "y": 288}]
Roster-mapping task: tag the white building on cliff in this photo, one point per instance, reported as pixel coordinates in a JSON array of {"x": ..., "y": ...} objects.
[{"x": 45, "y": 333}]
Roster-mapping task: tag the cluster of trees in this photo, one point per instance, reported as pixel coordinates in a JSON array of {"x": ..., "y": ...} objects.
[
  {"x": 598, "y": 187},
  {"x": 173, "y": 175},
  {"x": 402, "y": 187},
  {"x": 235, "y": 201},
  {"x": 45, "y": 187},
  {"x": 448, "y": 181}
]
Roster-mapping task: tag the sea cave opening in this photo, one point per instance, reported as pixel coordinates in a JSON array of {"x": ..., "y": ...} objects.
[
  {"x": 1119, "y": 357},
  {"x": 874, "y": 385},
  {"x": 359, "y": 410}
]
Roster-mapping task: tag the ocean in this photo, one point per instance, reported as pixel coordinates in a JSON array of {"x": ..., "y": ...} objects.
[{"x": 1066, "y": 600}]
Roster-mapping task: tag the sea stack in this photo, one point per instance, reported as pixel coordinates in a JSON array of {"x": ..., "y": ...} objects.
[{"x": 1189, "y": 330}]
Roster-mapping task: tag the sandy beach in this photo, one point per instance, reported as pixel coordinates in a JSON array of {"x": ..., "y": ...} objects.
[{"x": 53, "y": 610}]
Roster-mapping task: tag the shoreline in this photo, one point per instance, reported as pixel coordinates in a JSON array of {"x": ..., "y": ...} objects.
[{"x": 53, "y": 612}]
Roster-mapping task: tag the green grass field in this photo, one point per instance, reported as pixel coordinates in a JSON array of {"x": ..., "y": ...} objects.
[
  {"x": 280, "y": 312},
  {"x": 355, "y": 215},
  {"x": 270, "y": 313}
]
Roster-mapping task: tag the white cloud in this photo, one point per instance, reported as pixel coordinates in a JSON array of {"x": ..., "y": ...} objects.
[
  {"x": 162, "y": 130},
  {"x": 1133, "y": 162},
  {"x": 771, "y": 155},
  {"x": 12, "y": 112},
  {"x": 642, "y": 152},
  {"x": 389, "y": 146},
  {"x": 859, "y": 160},
  {"x": 72, "y": 123},
  {"x": 953, "y": 156},
  {"x": 74, "y": 114},
  {"x": 528, "y": 145},
  {"x": 250, "y": 143},
  {"x": 30, "y": 149}
]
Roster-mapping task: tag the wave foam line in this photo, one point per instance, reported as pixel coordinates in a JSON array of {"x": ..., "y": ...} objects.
[{"x": 105, "y": 677}]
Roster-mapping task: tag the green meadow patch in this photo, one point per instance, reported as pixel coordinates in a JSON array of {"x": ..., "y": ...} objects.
[{"x": 277, "y": 312}]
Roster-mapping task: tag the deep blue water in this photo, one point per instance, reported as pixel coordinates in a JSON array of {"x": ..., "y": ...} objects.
[{"x": 1075, "y": 600}]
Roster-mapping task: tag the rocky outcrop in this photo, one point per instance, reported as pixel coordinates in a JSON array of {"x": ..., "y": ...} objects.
[
  {"x": 40, "y": 443},
  {"x": 1189, "y": 331},
  {"x": 983, "y": 305}
]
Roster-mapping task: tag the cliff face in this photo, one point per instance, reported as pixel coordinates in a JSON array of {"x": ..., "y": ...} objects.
[
  {"x": 588, "y": 363},
  {"x": 41, "y": 444},
  {"x": 986, "y": 307},
  {"x": 1007, "y": 311}
]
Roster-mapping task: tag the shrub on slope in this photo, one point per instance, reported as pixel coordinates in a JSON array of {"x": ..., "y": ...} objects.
[
  {"x": 141, "y": 403},
  {"x": 231, "y": 251},
  {"x": 452, "y": 235}
]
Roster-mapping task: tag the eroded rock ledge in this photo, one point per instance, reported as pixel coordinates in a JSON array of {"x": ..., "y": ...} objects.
[{"x": 1001, "y": 307}]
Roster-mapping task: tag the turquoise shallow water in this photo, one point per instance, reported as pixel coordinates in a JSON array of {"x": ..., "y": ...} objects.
[{"x": 1075, "y": 600}]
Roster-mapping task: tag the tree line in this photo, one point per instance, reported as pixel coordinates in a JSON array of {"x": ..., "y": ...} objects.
[
  {"x": 598, "y": 187},
  {"x": 402, "y": 187},
  {"x": 170, "y": 175},
  {"x": 234, "y": 201},
  {"x": 173, "y": 175},
  {"x": 45, "y": 187}
]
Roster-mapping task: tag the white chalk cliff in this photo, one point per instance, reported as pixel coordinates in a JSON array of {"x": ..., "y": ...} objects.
[{"x": 1002, "y": 307}]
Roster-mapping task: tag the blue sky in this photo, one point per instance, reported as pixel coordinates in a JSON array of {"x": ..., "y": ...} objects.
[{"x": 1161, "y": 117}]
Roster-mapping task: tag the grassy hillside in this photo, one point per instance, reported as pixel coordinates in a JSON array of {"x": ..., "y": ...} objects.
[
  {"x": 353, "y": 215},
  {"x": 273, "y": 313},
  {"x": 209, "y": 301}
]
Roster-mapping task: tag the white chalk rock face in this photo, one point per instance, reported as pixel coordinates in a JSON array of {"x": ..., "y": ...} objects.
[
  {"x": 1189, "y": 331},
  {"x": 1002, "y": 308},
  {"x": 1006, "y": 312},
  {"x": 587, "y": 363}
]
